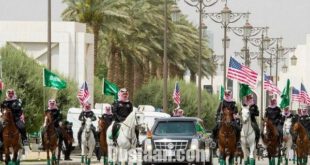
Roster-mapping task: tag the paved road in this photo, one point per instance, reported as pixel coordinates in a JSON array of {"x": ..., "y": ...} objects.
[{"x": 76, "y": 161}]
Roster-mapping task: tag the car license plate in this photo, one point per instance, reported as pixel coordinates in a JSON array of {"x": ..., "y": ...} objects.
[{"x": 170, "y": 152}]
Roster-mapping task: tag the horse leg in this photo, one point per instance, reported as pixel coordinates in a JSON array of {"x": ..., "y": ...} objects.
[
  {"x": 231, "y": 159},
  {"x": 82, "y": 153},
  {"x": 48, "y": 157}
]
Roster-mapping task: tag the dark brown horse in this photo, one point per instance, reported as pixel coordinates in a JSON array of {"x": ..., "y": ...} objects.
[
  {"x": 270, "y": 138},
  {"x": 68, "y": 140},
  {"x": 50, "y": 139},
  {"x": 227, "y": 137},
  {"x": 102, "y": 128},
  {"x": 302, "y": 142},
  {"x": 11, "y": 137}
]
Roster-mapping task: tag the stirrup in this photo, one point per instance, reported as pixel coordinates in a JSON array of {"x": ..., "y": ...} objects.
[{"x": 212, "y": 145}]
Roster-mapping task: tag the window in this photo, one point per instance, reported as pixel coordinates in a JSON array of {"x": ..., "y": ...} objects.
[{"x": 182, "y": 128}]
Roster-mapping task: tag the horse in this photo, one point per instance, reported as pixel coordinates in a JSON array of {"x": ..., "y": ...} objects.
[
  {"x": 67, "y": 140},
  {"x": 88, "y": 142},
  {"x": 126, "y": 139},
  {"x": 287, "y": 138},
  {"x": 11, "y": 138},
  {"x": 247, "y": 137},
  {"x": 102, "y": 129},
  {"x": 270, "y": 139},
  {"x": 227, "y": 137},
  {"x": 302, "y": 142},
  {"x": 50, "y": 137}
]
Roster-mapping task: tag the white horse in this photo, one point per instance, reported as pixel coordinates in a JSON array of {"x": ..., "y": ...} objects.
[
  {"x": 126, "y": 140},
  {"x": 88, "y": 142},
  {"x": 247, "y": 137},
  {"x": 287, "y": 138}
]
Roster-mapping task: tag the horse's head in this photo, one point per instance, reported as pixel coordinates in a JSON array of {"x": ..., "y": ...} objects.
[
  {"x": 7, "y": 114},
  {"x": 88, "y": 124},
  {"x": 48, "y": 118},
  {"x": 287, "y": 126},
  {"x": 245, "y": 114},
  {"x": 227, "y": 116},
  {"x": 101, "y": 124},
  {"x": 268, "y": 126},
  {"x": 139, "y": 118},
  {"x": 296, "y": 128}
]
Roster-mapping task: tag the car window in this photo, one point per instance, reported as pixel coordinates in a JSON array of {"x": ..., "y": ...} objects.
[{"x": 183, "y": 128}]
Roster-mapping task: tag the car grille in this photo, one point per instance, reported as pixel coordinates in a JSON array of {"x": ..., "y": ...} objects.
[{"x": 167, "y": 144}]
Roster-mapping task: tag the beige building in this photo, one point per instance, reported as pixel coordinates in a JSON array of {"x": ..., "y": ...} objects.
[{"x": 72, "y": 47}]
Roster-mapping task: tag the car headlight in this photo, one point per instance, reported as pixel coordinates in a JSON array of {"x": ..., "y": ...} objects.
[
  {"x": 194, "y": 144},
  {"x": 148, "y": 144}
]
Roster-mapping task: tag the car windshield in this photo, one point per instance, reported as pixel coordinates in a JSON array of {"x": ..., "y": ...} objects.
[{"x": 181, "y": 128}]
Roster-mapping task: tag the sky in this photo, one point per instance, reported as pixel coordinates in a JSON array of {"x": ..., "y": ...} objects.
[{"x": 286, "y": 18}]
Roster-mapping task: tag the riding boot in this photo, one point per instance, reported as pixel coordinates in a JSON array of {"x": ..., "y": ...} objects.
[
  {"x": 214, "y": 137},
  {"x": 114, "y": 132},
  {"x": 24, "y": 137},
  {"x": 96, "y": 138},
  {"x": 41, "y": 146},
  {"x": 79, "y": 136},
  {"x": 137, "y": 136}
]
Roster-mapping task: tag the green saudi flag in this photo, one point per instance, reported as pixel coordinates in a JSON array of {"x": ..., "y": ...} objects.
[
  {"x": 285, "y": 96},
  {"x": 244, "y": 91},
  {"x": 51, "y": 80},
  {"x": 222, "y": 93},
  {"x": 110, "y": 89}
]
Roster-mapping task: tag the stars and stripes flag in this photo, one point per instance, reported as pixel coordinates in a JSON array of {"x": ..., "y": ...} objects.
[
  {"x": 241, "y": 73},
  {"x": 295, "y": 95},
  {"x": 304, "y": 97},
  {"x": 176, "y": 94},
  {"x": 83, "y": 94},
  {"x": 269, "y": 86}
]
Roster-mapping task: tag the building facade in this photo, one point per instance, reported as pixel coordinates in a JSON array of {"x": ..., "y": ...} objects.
[{"x": 72, "y": 48}]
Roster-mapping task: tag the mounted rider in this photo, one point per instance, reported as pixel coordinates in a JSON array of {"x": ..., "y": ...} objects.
[
  {"x": 121, "y": 109},
  {"x": 305, "y": 119},
  {"x": 249, "y": 101},
  {"x": 107, "y": 115},
  {"x": 273, "y": 112},
  {"x": 57, "y": 117},
  {"x": 12, "y": 102},
  {"x": 231, "y": 105},
  {"x": 87, "y": 113}
]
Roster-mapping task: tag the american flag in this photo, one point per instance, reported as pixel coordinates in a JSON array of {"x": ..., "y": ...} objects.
[
  {"x": 304, "y": 97},
  {"x": 241, "y": 73},
  {"x": 83, "y": 94},
  {"x": 295, "y": 94},
  {"x": 269, "y": 86},
  {"x": 176, "y": 94}
]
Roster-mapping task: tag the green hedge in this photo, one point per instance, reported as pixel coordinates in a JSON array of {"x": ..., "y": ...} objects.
[
  {"x": 151, "y": 94},
  {"x": 25, "y": 76}
]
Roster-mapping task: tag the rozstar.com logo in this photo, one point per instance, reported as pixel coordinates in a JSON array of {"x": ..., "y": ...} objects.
[{"x": 133, "y": 155}]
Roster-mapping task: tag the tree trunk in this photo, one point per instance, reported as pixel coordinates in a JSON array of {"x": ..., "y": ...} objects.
[
  {"x": 96, "y": 40},
  {"x": 153, "y": 69},
  {"x": 159, "y": 71},
  {"x": 128, "y": 75},
  {"x": 138, "y": 77},
  {"x": 172, "y": 70},
  {"x": 118, "y": 77},
  {"x": 146, "y": 70},
  {"x": 111, "y": 69},
  {"x": 193, "y": 76}
]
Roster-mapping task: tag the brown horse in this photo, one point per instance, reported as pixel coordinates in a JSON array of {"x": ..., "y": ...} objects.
[
  {"x": 11, "y": 137},
  {"x": 270, "y": 138},
  {"x": 67, "y": 140},
  {"x": 50, "y": 139},
  {"x": 102, "y": 128},
  {"x": 227, "y": 137},
  {"x": 302, "y": 142}
]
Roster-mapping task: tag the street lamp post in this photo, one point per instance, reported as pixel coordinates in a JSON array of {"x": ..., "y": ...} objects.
[
  {"x": 225, "y": 17},
  {"x": 246, "y": 32},
  {"x": 49, "y": 31},
  {"x": 278, "y": 52},
  {"x": 262, "y": 43},
  {"x": 247, "y": 55},
  {"x": 200, "y": 5}
]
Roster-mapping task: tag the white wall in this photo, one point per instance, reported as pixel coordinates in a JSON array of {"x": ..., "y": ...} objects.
[{"x": 72, "y": 47}]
